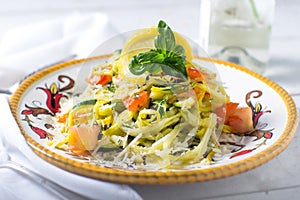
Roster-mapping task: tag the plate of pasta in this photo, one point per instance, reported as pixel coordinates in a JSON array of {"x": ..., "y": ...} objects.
[{"x": 154, "y": 113}]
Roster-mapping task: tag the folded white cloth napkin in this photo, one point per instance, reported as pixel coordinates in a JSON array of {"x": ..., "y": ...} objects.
[{"x": 22, "y": 51}]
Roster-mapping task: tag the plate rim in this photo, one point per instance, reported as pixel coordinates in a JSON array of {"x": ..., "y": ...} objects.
[{"x": 159, "y": 177}]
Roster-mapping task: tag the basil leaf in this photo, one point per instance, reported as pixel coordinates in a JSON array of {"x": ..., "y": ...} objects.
[
  {"x": 148, "y": 61},
  {"x": 166, "y": 57},
  {"x": 176, "y": 66},
  {"x": 138, "y": 63},
  {"x": 179, "y": 50},
  {"x": 166, "y": 39}
]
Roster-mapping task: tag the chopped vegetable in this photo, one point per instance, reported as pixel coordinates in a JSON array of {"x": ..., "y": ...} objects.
[
  {"x": 83, "y": 138},
  {"x": 195, "y": 74},
  {"x": 104, "y": 79},
  {"x": 237, "y": 120},
  {"x": 241, "y": 120},
  {"x": 138, "y": 101},
  {"x": 101, "y": 76}
]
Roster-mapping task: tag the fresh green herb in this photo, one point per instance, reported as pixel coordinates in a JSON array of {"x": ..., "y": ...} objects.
[
  {"x": 162, "y": 108},
  {"x": 167, "y": 57},
  {"x": 111, "y": 87}
]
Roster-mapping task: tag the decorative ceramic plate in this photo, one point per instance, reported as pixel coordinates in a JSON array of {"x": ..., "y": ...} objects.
[{"x": 274, "y": 117}]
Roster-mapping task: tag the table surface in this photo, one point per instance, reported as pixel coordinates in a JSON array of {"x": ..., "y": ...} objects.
[{"x": 276, "y": 179}]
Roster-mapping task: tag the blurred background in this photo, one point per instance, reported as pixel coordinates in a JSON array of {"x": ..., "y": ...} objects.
[
  {"x": 132, "y": 14},
  {"x": 182, "y": 16},
  {"x": 124, "y": 15}
]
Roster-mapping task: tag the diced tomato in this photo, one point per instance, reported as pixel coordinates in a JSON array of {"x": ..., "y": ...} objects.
[
  {"x": 101, "y": 79},
  {"x": 83, "y": 138},
  {"x": 104, "y": 79},
  {"x": 231, "y": 108},
  {"x": 137, "y": 101},
  {"x": 196, "y": 74},
  {"x": 226, "y": 110},
  {"x": 239, "y": 119}
]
